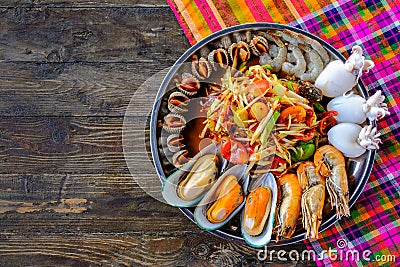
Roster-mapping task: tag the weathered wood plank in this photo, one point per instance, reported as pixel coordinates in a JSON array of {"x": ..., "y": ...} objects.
[
  {"x": 83, "y": 145},
  {"x": 123, "y": 34},
  {"x": 90, "y": 89},
  {"x": 83, "y": 3},
  {"x": 178, "y": 249}
]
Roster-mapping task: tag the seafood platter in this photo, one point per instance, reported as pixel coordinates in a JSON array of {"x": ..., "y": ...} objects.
[{"x": 263, "y": 133}]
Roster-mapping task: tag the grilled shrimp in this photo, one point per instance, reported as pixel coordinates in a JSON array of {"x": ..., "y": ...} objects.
[
  {"x": 297, "y": 69},
  {"x": 330, "y": 163},
  {"x": 312, "y": 201},
  {"x": 315, "y": 64},
  {"x": 277, "y": 62},
  {"x": 289, "y": 208}
]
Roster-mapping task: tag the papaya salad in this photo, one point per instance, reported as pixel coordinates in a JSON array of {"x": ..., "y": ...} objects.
[{"x": 266, "y": 121}]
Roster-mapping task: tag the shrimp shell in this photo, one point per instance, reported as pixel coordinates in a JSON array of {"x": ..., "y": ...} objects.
[
  {"x": 297, "y": 69},
  {"x": 331, "y": 164},
  {"x": 315, "y": 64},
  {"x": 289, "y": 208},
  {"x": 276, "y": 63}
]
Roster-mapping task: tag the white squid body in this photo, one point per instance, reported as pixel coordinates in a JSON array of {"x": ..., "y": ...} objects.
[
  {"x": 335, "y": 79},
  {"x": 344, "y": 136},
  {"x": 349, "y": 108},
  {"x": 338, "y": 77}
]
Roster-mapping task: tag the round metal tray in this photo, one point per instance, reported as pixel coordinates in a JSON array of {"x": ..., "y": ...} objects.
[{"x": 359, "y": 168}]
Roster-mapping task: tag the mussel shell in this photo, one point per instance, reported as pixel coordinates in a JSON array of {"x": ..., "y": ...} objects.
[
  {"x": 169, "y": 190},
  {"x": 201, "y": 209},
  {"x": 267, "y": 180}
]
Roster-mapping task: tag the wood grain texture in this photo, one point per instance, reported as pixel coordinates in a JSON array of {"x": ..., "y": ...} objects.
[
  {"x": 66, "y": 145},
  {"x": 68, "y": 70},
  {"x": 122, "y": 34},
  {"x": 83, "y": 3},
  {"x": 179, "y": 249},
  {"x": 87, "y": 89}
]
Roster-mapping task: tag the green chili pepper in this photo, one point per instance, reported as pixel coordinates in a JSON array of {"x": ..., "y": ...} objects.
[
  {"x": 318, "y": 107},
  {"x": 267, "y": 66},
  {"x": 290, "y": 86},
  {"x": 243, "y": 66},
  {"x": 303, "y": 152}
]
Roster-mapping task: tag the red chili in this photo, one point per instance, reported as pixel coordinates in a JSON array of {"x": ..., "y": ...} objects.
[
  {"x": 309, "y": 117},
  {"x": 327, "y": 121},
  {"x": 307, "y": 135},
  {"x": 326, "y": 124},
  {"x": 276, "y": 164},
  {"x": 330, "y": 113}
]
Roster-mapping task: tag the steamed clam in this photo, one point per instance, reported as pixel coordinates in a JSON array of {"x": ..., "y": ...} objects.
[
  {"x": 178, "y": 102},
  {"x": 239, "y": 53},
  {"x": 180, "y": 158},
  {"x": 175, "y": 142},
  {"x": 259, "y": 211},
  {"x": 219, "y": 58},
  {"x": 201, "y": 68},
  {"x": 174, "y": 123},
  {"x": 189, "y": 85},
  {"x": 224, "y": 200},
  {"x": 186, "y": 186},
  {"x": 259, "y": 45}
]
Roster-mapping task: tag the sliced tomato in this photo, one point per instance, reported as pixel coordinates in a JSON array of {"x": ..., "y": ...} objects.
[
  {"x": 259, "y": 87},
  {"x": 234, "y": 152},
  {"x": 297, "y": 113}
]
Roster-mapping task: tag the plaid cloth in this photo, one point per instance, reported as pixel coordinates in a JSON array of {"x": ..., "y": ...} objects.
[{"x": 374, "y": 222}]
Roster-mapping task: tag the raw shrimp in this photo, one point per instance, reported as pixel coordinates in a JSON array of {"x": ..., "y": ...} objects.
[
  {"x": 297, "y": 69},
  {"x": 298, "y": 38},
  {"x": 315, "y": 64},
  {"x": 277, "y": 62}
]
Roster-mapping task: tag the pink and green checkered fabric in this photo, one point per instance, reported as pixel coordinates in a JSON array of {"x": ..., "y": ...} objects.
[{"x": 374, "y": 25}]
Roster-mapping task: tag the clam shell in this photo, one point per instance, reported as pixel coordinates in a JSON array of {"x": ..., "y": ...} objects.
[
  {"x": 267, "y": 180},
  {"x": 211, "y": 58},
  {"x": 201, "y": 209},
  {"x": 169, "y": 190},
  {"x": 174, "y": 142},
  {"x": 177, "y": 158},
  {"x": 195, "y": 64},
  {"x": 242, "y": 45},
  {"x": 178, "y": 108},
  {"x": 253, "y": 46},
  {"x": 187, "y": 77},
  {"x": 172, "y": 128}
]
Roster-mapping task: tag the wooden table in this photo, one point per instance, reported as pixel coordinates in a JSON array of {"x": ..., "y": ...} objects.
[{"x": 68, "y": 70}]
